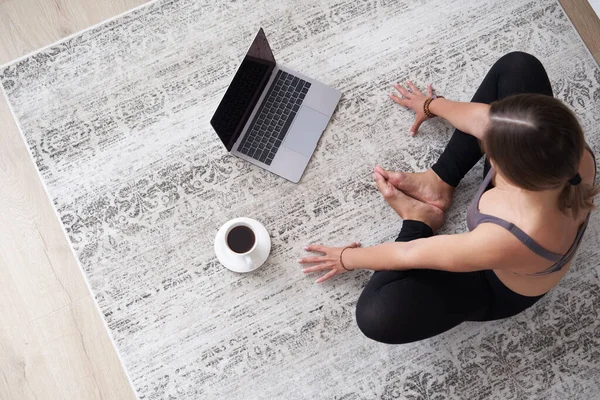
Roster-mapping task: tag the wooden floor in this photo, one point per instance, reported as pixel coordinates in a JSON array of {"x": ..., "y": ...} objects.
[
  {"x": 587, "y": 23},
  {"x": 53, "y": 341}
]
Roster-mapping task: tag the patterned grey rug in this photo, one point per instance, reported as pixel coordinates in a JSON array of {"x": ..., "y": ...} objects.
[{"x": 116, "y": 119}]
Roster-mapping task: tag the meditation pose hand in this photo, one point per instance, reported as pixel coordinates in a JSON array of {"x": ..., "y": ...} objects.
[
  {"x": 415, "y": 100},
  {"x": 331, "y": 260}
]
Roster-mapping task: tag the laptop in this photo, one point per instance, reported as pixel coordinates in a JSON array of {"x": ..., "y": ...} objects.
[{"x": 272, "y": 116}]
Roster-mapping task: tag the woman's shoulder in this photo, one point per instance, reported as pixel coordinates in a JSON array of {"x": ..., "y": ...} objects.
[
  {"x": 507, "y": 250},
  {"x": 553, "y": 232}
]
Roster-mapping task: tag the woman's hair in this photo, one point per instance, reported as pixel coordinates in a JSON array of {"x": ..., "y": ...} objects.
[{"x": 537, "y": 144}]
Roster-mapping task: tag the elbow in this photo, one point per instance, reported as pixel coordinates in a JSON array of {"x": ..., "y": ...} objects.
[{"x": 482, "y": 122}]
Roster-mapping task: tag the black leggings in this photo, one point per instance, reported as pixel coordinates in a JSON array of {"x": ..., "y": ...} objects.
[{"x": 405, "y": 306}]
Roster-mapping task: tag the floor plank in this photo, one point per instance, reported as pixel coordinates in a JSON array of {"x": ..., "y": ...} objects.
[
  {"x": 79, "y": 353},
  {"x": 27, "y": 25},
  {"x": 586, "y": 22}
]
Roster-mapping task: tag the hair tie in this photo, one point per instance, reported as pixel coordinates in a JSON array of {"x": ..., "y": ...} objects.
[{"x": 576, "y": 180}]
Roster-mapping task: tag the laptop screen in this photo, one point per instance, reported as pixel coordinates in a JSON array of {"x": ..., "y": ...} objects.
[{"x": 243, "y": 92}]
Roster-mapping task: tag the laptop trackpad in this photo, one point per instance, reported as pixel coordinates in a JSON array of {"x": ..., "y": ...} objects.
[{"x": 306, "y": 130}]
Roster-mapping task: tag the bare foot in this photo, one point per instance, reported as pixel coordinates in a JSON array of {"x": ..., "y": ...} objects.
[
  {"x": 424, "y": 186},
  {"x": 408, "y": 207}
]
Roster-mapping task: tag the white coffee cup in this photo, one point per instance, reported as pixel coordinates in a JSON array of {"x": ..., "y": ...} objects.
[
  {"x": 247, "y": 258},
  {"x": 241, "y": 241}
]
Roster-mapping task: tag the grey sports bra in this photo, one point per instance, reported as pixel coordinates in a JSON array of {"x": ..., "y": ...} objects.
[{"x": 475, "y": 217}]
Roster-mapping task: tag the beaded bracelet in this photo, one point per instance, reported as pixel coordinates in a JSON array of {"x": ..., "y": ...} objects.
[{"x": 428, "y": 113}]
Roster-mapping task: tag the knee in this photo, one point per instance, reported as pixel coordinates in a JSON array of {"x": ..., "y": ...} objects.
[
  {"x": 519, "y": 61},
  {"x": 368, "y": 319},
  {"x": 377, "y": 324}
]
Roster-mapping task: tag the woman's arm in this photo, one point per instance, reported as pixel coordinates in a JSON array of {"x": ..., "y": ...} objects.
[
  {"x": 471, "y": 118},
  {"x": 464, "y": 252},
  {"x": 487, "y": 247}
]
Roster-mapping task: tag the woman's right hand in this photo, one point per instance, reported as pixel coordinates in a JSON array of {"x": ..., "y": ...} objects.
[{"x": 414, "y": 100}]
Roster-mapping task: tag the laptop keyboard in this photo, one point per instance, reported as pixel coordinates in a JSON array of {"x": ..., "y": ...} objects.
[{"x": 274, "y": 117}]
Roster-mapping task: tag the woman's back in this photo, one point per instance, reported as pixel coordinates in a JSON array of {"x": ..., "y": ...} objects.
[{"x": 538, "y": 215}]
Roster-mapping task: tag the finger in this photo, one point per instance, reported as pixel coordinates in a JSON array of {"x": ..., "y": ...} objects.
[
  {"x": 415, "y": 128},
  {"x": 398, "y": 100},
  {"x": 312, "y": 260},
  {"x": 320, "y": 267},
  {"x": 414, "y": 89},
  {"x": 328, "y": 275},
  {"x": 403, "y": 91},
  {"x": 315, "y": 248},
  {"x": 429, "y": 90}
]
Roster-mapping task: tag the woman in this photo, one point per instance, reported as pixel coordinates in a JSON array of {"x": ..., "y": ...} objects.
[{"x": 525, "y": 223}]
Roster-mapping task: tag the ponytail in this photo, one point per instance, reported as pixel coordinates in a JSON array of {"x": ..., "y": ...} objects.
[{"x": 578, "y": 198}]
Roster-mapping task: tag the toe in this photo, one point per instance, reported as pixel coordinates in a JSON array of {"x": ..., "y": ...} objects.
[
  {"x": 382, "y": 172},
  {"x": 397, "y": 178},
  {"x": 384, "y": 187}
]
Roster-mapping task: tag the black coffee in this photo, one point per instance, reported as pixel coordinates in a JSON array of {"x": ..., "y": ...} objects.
[{"x": 240, "y": 239}]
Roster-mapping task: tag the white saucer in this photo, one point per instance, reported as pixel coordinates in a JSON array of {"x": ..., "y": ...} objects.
[{"x": 237, "y": 263}]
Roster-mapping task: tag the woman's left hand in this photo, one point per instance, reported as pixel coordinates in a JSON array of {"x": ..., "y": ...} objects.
[
  {"x": 330, "y": 260},
  {"x": 414, "y": 100}
]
